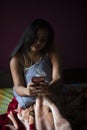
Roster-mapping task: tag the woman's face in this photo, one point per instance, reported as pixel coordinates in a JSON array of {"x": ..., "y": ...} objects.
[{"x": 40, "y": 41}]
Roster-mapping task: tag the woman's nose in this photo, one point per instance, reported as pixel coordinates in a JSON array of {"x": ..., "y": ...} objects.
[{"x": 38, "y": 42}]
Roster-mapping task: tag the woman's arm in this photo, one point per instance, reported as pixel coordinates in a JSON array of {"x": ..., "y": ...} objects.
[
  {"x": 56, "y": 82},
  {"x": 17, "y": 72}
]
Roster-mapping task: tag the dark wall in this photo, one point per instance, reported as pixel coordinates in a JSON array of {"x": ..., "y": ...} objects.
[{"x": 69, "y": 20}]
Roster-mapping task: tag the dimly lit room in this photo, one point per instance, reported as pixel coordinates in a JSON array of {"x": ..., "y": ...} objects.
[{"x": 69, "y": 22}]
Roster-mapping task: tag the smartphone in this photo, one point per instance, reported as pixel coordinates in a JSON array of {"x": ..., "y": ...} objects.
[{"x": 38, "y": 79}]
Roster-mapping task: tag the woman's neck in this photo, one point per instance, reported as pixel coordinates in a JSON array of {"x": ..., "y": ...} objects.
[
  {"x": 33, "y": 54},
  {"x": 34, "y": 57}
]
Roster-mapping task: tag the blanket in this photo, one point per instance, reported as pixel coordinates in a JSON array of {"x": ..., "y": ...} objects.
[
  {"x": 75, "y": 109},
  {"x": 6, "y": 95}
]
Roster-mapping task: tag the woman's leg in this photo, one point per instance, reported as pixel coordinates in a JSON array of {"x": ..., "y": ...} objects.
[
  {"x": 41, "y": 119},
  {"x": 59, "y": 122}
]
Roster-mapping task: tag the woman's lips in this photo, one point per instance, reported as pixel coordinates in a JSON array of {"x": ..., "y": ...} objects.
[{"x": 36, "y": 45}]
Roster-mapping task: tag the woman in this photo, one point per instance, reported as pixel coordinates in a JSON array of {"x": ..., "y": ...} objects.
[{"x": 35, "y": 56}]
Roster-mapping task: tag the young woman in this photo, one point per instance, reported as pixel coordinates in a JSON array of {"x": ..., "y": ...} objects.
[{"x": 36, "y": 72}]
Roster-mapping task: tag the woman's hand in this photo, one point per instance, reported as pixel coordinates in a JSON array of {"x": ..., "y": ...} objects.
[
  {"x": 30, "y": 90},
  {"x": 34, "y": 89},
  {"x": 43, "y": 88}
]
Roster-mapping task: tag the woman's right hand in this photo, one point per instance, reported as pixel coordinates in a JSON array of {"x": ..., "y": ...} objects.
[
  {"x": 30, "y": 90},
  {"x": 34, "y": 89}
]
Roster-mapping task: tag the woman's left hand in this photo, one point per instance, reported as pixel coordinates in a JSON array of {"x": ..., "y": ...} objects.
[{"x": 42, "y": 88}]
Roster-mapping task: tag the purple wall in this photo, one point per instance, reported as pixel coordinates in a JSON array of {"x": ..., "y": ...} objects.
[{"x": 69, "y": 21}]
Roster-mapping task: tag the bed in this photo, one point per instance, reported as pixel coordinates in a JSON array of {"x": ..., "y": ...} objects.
[{"x": 71, "y": 78}]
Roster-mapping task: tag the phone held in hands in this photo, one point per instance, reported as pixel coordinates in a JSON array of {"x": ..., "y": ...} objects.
[{"x": 37, "y": 80}]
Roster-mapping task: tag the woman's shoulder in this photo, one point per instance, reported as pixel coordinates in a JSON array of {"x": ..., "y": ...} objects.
[{"x": 16, "y": 59}]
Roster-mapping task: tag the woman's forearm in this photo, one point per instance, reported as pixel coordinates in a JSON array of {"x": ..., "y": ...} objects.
[{"x": 20, "y": 90}]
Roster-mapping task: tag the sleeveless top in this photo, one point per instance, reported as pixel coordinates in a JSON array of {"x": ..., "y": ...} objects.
[{"x": 40, "y": 68}]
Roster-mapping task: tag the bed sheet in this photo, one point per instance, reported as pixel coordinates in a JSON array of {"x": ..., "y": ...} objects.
[{"x": 6, "y": 95}]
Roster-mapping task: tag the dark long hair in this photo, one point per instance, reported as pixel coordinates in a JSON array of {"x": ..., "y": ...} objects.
[{"x": 29, "y": 34}]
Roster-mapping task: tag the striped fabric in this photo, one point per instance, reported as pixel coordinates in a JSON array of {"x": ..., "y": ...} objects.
[{"x": 6, "y": 95}]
